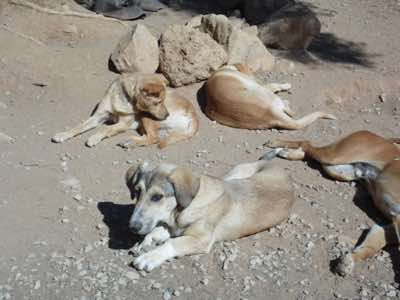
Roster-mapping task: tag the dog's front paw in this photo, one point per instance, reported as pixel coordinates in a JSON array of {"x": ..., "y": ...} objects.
[
  {"x": 148, "y": 261},
  {"x": 345, "y": 265},
  {"x": 60, "y": 137},
  {"x": 93, "y": 141}
]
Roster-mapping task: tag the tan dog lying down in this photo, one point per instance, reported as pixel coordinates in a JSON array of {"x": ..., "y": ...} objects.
[
  {"x": 384, "y": 187},
  {"x": 236, "y": 99},
  {"x": 140, "y": 101},
  {"x": 198, "y": 210},
  {"x": 337, "y": 159}
]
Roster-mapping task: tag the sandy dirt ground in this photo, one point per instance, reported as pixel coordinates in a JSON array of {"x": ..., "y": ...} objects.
[{"x": 64, "y": 207}]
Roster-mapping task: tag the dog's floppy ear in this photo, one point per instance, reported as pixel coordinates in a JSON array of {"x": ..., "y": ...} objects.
[
  {"x": 134, "y": 172},
  {"x": 186, "y": 186},
  {"x": 128, "y": 83}
]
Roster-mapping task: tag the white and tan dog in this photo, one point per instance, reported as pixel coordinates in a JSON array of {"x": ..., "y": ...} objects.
[
  {"x": 384, "y": 187},
  {"x": 338, "y": 158},
  {"x": 140, "y": 101},
  {"x": 186, "y": 213},
  {"x": 235, "y": 98}
]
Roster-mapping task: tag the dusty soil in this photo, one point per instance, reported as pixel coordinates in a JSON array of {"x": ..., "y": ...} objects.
[{"x": 64, "y": 207}]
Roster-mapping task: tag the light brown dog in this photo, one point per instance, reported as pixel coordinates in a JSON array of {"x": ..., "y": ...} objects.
[
  {"x": 236, "y": 99},
  {"x": 198, "y": 210},
  {"x": 338, "y": 158},
  {"x": 140, "y": 101},
  {"x": 384, "y": 187}
]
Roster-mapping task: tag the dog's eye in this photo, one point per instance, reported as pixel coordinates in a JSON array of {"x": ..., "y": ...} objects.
[{"x": 156, "y": 197}]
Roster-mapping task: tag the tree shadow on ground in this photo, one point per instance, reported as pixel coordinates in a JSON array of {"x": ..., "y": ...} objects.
[{"x": 116, "y": 217}]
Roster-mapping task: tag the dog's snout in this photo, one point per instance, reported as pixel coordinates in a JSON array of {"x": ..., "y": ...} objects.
[{"x": 135, "y": 226}]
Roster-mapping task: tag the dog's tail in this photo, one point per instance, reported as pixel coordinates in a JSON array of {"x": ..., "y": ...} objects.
[{"x": 287, "y": 122}]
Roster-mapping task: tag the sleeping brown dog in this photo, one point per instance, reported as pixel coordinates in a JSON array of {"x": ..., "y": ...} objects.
[
  {"x": 236, "y": 99},
  {"x": 139, "y": 101}
]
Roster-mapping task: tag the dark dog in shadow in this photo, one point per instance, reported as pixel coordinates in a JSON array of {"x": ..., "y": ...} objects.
[{"x": 116, "y": 217}]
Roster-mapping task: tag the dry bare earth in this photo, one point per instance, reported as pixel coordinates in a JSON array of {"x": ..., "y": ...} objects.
[{"x": 64, "y": 207}]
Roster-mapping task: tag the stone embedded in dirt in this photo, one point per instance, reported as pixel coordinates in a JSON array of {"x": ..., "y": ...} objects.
[
  {"x": 137, "y": 51},
  {"x": 188, "y": 55},
  {"x": 5, "y": 138},
  {"x": 132, "y": 275}
]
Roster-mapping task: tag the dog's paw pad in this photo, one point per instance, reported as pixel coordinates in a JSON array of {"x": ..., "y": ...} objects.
[
  {"x": 93, "y": 141},
  {"x": 345, "y": 265},
  {"x": 148, "y": 262}
]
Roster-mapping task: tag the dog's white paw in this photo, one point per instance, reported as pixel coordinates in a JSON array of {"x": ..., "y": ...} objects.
[
  {"x": 148, "y": 261},
  {"x": 93, "y": 140},
  {"x": 345, "y": 265},
  {"x": 60, "y": 137}
]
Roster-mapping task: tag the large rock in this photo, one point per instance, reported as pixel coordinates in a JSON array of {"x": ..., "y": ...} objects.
[
  {"x": 188, "y": 55},
  {"x": 239, "y": 40},
  {"x": 292, "y": 27},
  {"x": 137, "y": 51},
  {"x": 248, "y": 49}
]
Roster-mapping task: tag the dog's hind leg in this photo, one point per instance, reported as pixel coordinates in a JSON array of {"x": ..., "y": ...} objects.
[
  {"x": 377, "y": 238},
  {"x": 173, "y": 138},
  {"x": 123, "y": 125}
]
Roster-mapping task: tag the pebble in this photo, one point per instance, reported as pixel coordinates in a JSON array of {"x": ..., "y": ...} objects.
[
  {"x": 37, "y": 285},
  {"x": 131, "y": 275},
  {"x": 156, "y": 286},
  {"x": 78, "y": 197}
]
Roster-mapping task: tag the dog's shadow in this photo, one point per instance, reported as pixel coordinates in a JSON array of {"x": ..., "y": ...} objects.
[{"x": 116, "y": 217}]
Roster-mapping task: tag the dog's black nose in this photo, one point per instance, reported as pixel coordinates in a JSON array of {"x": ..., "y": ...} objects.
[{"x": 135, "y": 226}]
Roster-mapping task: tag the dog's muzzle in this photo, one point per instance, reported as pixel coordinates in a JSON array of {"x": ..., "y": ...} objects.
[{"x": 135, "y": 226}]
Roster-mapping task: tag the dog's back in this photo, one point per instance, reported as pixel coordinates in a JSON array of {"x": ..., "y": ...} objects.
[
  {"x": 236, "y": 99},
  {"x": 257, "y": 202}
]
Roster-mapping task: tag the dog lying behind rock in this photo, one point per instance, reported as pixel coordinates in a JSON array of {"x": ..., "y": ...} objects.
[
  {"x": 293, "y": 27},
  {"x": 139, "y": 101},
  {"x": 236, "y": 99},
  {"x": 337, "y": 159},
  {"x": 384, "y": 187},
  {"x": 186, "y": 213}
]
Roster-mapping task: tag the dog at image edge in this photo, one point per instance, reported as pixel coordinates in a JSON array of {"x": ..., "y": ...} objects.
[
  {"x": 139, "y": 101},
  {"x": 186, "y": 213}
]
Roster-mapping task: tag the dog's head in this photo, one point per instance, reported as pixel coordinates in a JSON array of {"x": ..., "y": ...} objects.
[
  {"x": 160, "y": 192},
  {"x": 149, "y": 91}
]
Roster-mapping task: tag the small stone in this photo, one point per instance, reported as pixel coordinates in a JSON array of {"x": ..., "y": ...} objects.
[
  {"x": 5, "y": 138},
  {"x": 65, "y": 221},
  {"x": 37, "y": 285},
  {"x": 156, "y": 286},
  {"x": 78, "y": 197},
  {"x": 88, "y": 248},
  {"x": 382, "y": 97},
  {"x": 167, "y": 295},
  {"x": 176, "y": 293},
  {"x": 391, "y": 294},
  {"x": 131, "y": 275},
  {"x": 204, "y": 281}
]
